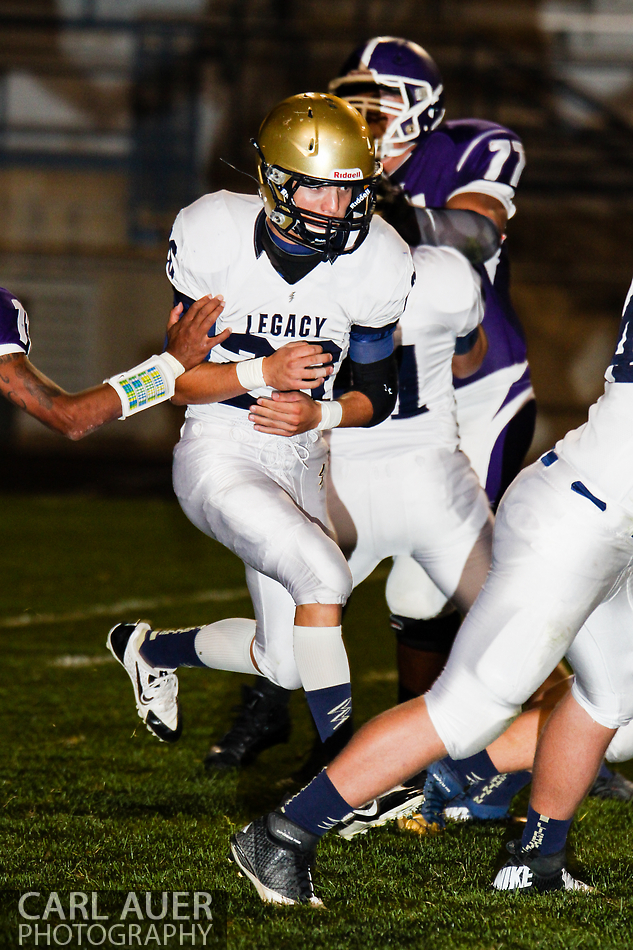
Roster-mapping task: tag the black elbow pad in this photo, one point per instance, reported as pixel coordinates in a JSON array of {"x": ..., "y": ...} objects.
[{"x": 379, "y": 382}]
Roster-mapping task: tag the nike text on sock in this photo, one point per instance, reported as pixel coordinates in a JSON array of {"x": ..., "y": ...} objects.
[{"x": 500, "y": 789}]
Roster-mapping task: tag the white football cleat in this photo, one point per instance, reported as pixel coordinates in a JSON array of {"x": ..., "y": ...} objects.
[{"x": 155, "y": 690}]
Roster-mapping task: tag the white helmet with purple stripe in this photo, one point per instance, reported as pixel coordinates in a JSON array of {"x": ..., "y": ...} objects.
[{"x": 384, "y": 69}]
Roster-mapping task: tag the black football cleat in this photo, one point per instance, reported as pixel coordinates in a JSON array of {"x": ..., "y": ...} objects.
[
  {"x": 531, "y": 872},
  {"x": 262, "y": 721},
  {"x": 277, "y": 856},
  {"x": 615, "y": 787}
]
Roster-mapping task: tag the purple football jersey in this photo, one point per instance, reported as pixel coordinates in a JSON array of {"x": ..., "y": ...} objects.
[
  {"x": 14, "y": 325},
  {"x": 449, "y": 159}
]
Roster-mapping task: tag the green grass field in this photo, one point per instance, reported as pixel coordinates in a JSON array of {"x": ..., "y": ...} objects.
[{"x": 89, "y": 801}]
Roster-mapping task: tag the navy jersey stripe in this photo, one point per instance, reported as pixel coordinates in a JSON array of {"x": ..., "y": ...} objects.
[
  {"x": 408, "y": 389},
  {"x": 621, "y": 369}
]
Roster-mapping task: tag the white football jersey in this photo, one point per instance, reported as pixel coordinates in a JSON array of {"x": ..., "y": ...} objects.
[
  {"x": 445, "y": 303},
  {"x": 213, "y": 251},
  {"x": 601, "y": 450}
]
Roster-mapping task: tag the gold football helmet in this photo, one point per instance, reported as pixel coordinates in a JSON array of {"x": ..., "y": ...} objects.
[{"x": 315, "y": 140}]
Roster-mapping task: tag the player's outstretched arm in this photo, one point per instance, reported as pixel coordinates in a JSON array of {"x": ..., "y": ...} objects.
[
  {"x": 75, "y": 415},
  {"x": 293, "y": 366},
  {"x": 72, "y": 415}
]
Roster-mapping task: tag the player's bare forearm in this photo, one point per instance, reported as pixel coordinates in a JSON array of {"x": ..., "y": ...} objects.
[
  {"x": 482, "y": 204},
  {"x": 292, "y": 413},
  {"x": 357, "y": 409},
  {"x": 291, "y": 367},
  {"x": 73, "y": 415},
  {"x": 465, "y": 364}
]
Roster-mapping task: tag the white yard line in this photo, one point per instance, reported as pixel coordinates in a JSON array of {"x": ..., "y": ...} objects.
[
  {"x": 135, "y": 604},
  {"x": 380, "y": 676},
  {"x": 73, "y": 661},
  {"x": 132, "y": 605}
]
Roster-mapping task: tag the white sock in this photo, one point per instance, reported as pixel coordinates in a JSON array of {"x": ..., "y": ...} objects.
[
  {"x": 320, "y": 657},
  {"x": 226, "y": 645}
]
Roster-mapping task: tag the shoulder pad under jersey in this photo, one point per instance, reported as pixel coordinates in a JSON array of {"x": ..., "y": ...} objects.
[{"x": 209, "y": 235}]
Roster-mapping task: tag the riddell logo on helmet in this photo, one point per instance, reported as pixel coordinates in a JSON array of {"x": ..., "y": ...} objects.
[{"x": 346, "y": 174}]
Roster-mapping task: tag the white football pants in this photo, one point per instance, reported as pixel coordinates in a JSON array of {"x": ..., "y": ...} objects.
[
  {"x": 427, "y": 504},
  {"x": 556, "y": 558},
  {"x": 263, "y": 497},
  {"x": 481, "y": 416}
]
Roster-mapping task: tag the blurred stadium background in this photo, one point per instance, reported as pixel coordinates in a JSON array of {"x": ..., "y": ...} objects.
[{"x": 116, "y": 113}]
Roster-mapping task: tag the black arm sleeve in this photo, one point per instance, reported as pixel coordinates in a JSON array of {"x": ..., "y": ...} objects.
[
  {"x": 469, "y": 232},
  {"x": 475, "y": 235},
  {"x": 379, "y": 382}
]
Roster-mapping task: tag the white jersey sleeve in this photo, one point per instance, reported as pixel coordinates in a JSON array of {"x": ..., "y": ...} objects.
[{"x": 204, "y": 242}]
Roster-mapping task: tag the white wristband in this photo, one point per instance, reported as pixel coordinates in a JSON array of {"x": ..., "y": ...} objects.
[
  {"x": 331, "y": 414},
  {"x": 250, "y": 374},
  {"x": 147, "y": 384},
  {"x": 175, "y": 364}
]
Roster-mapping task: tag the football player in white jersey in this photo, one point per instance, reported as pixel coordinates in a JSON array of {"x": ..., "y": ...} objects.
[
  {"x": 467, "y": 172},
  {"x": 560, "y": 584},
  {"x": 303, "y": 262}
]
